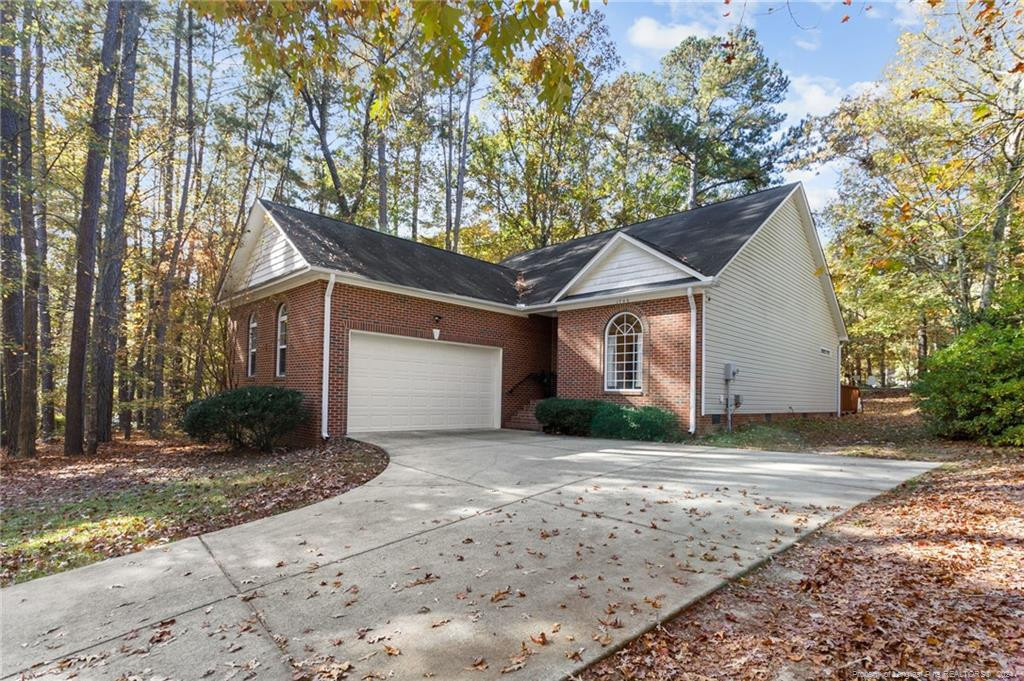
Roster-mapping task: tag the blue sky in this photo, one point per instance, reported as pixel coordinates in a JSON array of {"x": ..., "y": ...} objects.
[{"x": 824, "y": 58}]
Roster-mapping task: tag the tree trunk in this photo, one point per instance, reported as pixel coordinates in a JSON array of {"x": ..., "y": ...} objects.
[
  {"x": 48, "y": 417},
  {"x": 416, "y": 173},
  {"x": 691, "y": 187},
  {"x": 30, "y": 359},
  {"x": 460, "y": 182},
  {"x": 922, "y": 343},
  {"x": 107, "y": 315},
  {"x": 316, "y": 108},
  {"x": 10, "y": 243},
  {"x": 382, "y": 163},
  {"x": 448, "y": 167},
  {"x": 1002, "y": 218},
  {"x": 166, "y": 289},
  {"x": 85, "y": 244}
]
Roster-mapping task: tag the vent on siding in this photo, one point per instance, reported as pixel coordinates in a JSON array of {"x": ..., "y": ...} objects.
[{"x": 826, "y": 351}]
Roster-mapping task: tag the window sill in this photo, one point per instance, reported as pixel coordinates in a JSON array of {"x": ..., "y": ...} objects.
[{"x": 623, "y": 392}]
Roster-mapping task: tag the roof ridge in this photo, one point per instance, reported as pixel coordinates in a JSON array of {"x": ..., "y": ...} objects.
[
  {"x": 713, "y": 203},
  {"x": 623, "y": 228},
  {"x": 393, "y": 236}
]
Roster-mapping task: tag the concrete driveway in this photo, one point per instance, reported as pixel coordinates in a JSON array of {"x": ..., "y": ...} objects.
[{"x": 470, "y": 551}]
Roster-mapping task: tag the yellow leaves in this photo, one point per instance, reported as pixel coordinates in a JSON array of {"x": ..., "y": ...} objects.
[{"x": 905, "y": 212}]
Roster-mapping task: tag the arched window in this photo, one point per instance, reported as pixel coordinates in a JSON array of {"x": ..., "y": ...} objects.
[
  {"x": 282, "y": 337},
  {"x": 624, "y": 353},
  {"x": 250, "y": 366}
]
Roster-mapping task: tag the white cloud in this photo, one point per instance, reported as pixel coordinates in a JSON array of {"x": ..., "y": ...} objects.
[
  {"x": 810, "y": 42},
  {"x": 817, "y": 95},
  {"x": 688, "y": 19},
  {"x": 651, "y": 34},
  {"x": 909, "y": 13}
]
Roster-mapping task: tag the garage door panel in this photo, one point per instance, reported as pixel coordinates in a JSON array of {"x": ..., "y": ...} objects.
[{"x": 398, "y": 383}]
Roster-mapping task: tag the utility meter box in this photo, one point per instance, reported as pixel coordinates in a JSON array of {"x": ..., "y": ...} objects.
[{"x": 730, "y": 371}]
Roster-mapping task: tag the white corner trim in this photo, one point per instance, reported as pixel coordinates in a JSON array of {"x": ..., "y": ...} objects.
[
  {"x": 693, "y": 361},
  {"x": 325, "y": 370},
  {"x": 622, "y": 236}
]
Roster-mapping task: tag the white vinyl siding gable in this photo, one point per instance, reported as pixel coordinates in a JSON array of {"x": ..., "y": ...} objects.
[
  {"x": 272, "y": 257},
  {"x": 624, "y": 266},
  {"x": 770, "y": 312}
]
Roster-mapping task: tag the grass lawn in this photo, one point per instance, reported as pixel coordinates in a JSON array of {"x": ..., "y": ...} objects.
[
  {"x": 58, "y": 513},
  {"x": 928, "y": 578}
]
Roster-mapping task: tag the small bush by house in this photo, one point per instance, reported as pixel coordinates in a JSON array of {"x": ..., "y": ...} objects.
[
  {"x": 595, "y": 418},
  {"x": 974, "y": 387},
  {"x": 254, "y": 417},
  {"x": 651, "y": 424}
]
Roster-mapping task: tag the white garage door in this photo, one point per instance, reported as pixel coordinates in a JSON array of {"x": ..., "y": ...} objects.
[{"x": 397, "y": 383}]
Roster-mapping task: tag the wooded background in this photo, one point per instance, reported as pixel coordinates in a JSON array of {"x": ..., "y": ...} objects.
[{"x": 135, "y": 137}]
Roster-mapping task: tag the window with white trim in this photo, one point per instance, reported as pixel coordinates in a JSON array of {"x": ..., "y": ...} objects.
[
  {"x": 282, "y": 338},
  {"x": 250, "y": 366},
  {"x": 624, "y": 354}
]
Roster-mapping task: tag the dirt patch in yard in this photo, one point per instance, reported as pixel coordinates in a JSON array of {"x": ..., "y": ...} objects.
[
  {"x": 62, "y": 512},
  {"x": 926, "y": 579}
]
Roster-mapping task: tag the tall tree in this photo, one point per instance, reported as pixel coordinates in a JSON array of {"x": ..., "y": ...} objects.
[
  {"x": 46, "y": 374},
  {"x": 85, "y": 243},
  {"x": 10, "y": 234},
  {"x": 30, "y": 358},
  {"x": 107, "y": 316},
  {"x": 171, "y": 274},
  {"x": 532, "y": 170},
  {"x": 714, "y": 113}
]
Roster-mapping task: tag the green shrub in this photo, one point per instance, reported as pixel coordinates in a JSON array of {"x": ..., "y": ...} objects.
[
  {"x": 974, "y": 388},
  {"x": 254, "y": 417},
  {"x": 605, "y": 419},
  {"x": 650, "y": 424},
  {"x": 568, "y": 417}
]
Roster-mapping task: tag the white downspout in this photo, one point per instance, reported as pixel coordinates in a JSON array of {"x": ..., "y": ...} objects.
[
  {"x": 325, "y": 372},
  {"x": 693, "y": 361},
  {"x": 839, "y": 379}
]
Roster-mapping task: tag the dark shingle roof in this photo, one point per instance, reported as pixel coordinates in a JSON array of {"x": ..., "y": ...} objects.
[
  {"x": 705, "y": 239},
  {"x": 336, "y": 245}
]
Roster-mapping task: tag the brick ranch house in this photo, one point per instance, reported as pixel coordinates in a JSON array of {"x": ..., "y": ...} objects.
[{"x": 382, "y": 333}]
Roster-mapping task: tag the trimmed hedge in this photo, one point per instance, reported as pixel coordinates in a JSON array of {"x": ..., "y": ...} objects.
[
  {"x": 255, "y": 417},
  {"x": 595, "y": 418}
]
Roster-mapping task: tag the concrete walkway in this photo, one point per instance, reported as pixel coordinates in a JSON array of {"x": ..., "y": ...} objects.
[{"x": 467, "y": 548}]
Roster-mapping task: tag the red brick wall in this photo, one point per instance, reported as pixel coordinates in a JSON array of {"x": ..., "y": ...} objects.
[
  {"x": 305, "y": 340},
  {"x": 525, "y": 341},
  {"x": 666, "y": 381}
]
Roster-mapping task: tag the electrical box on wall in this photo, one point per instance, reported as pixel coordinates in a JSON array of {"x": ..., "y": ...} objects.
[{"x": 730, "y": 371}]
